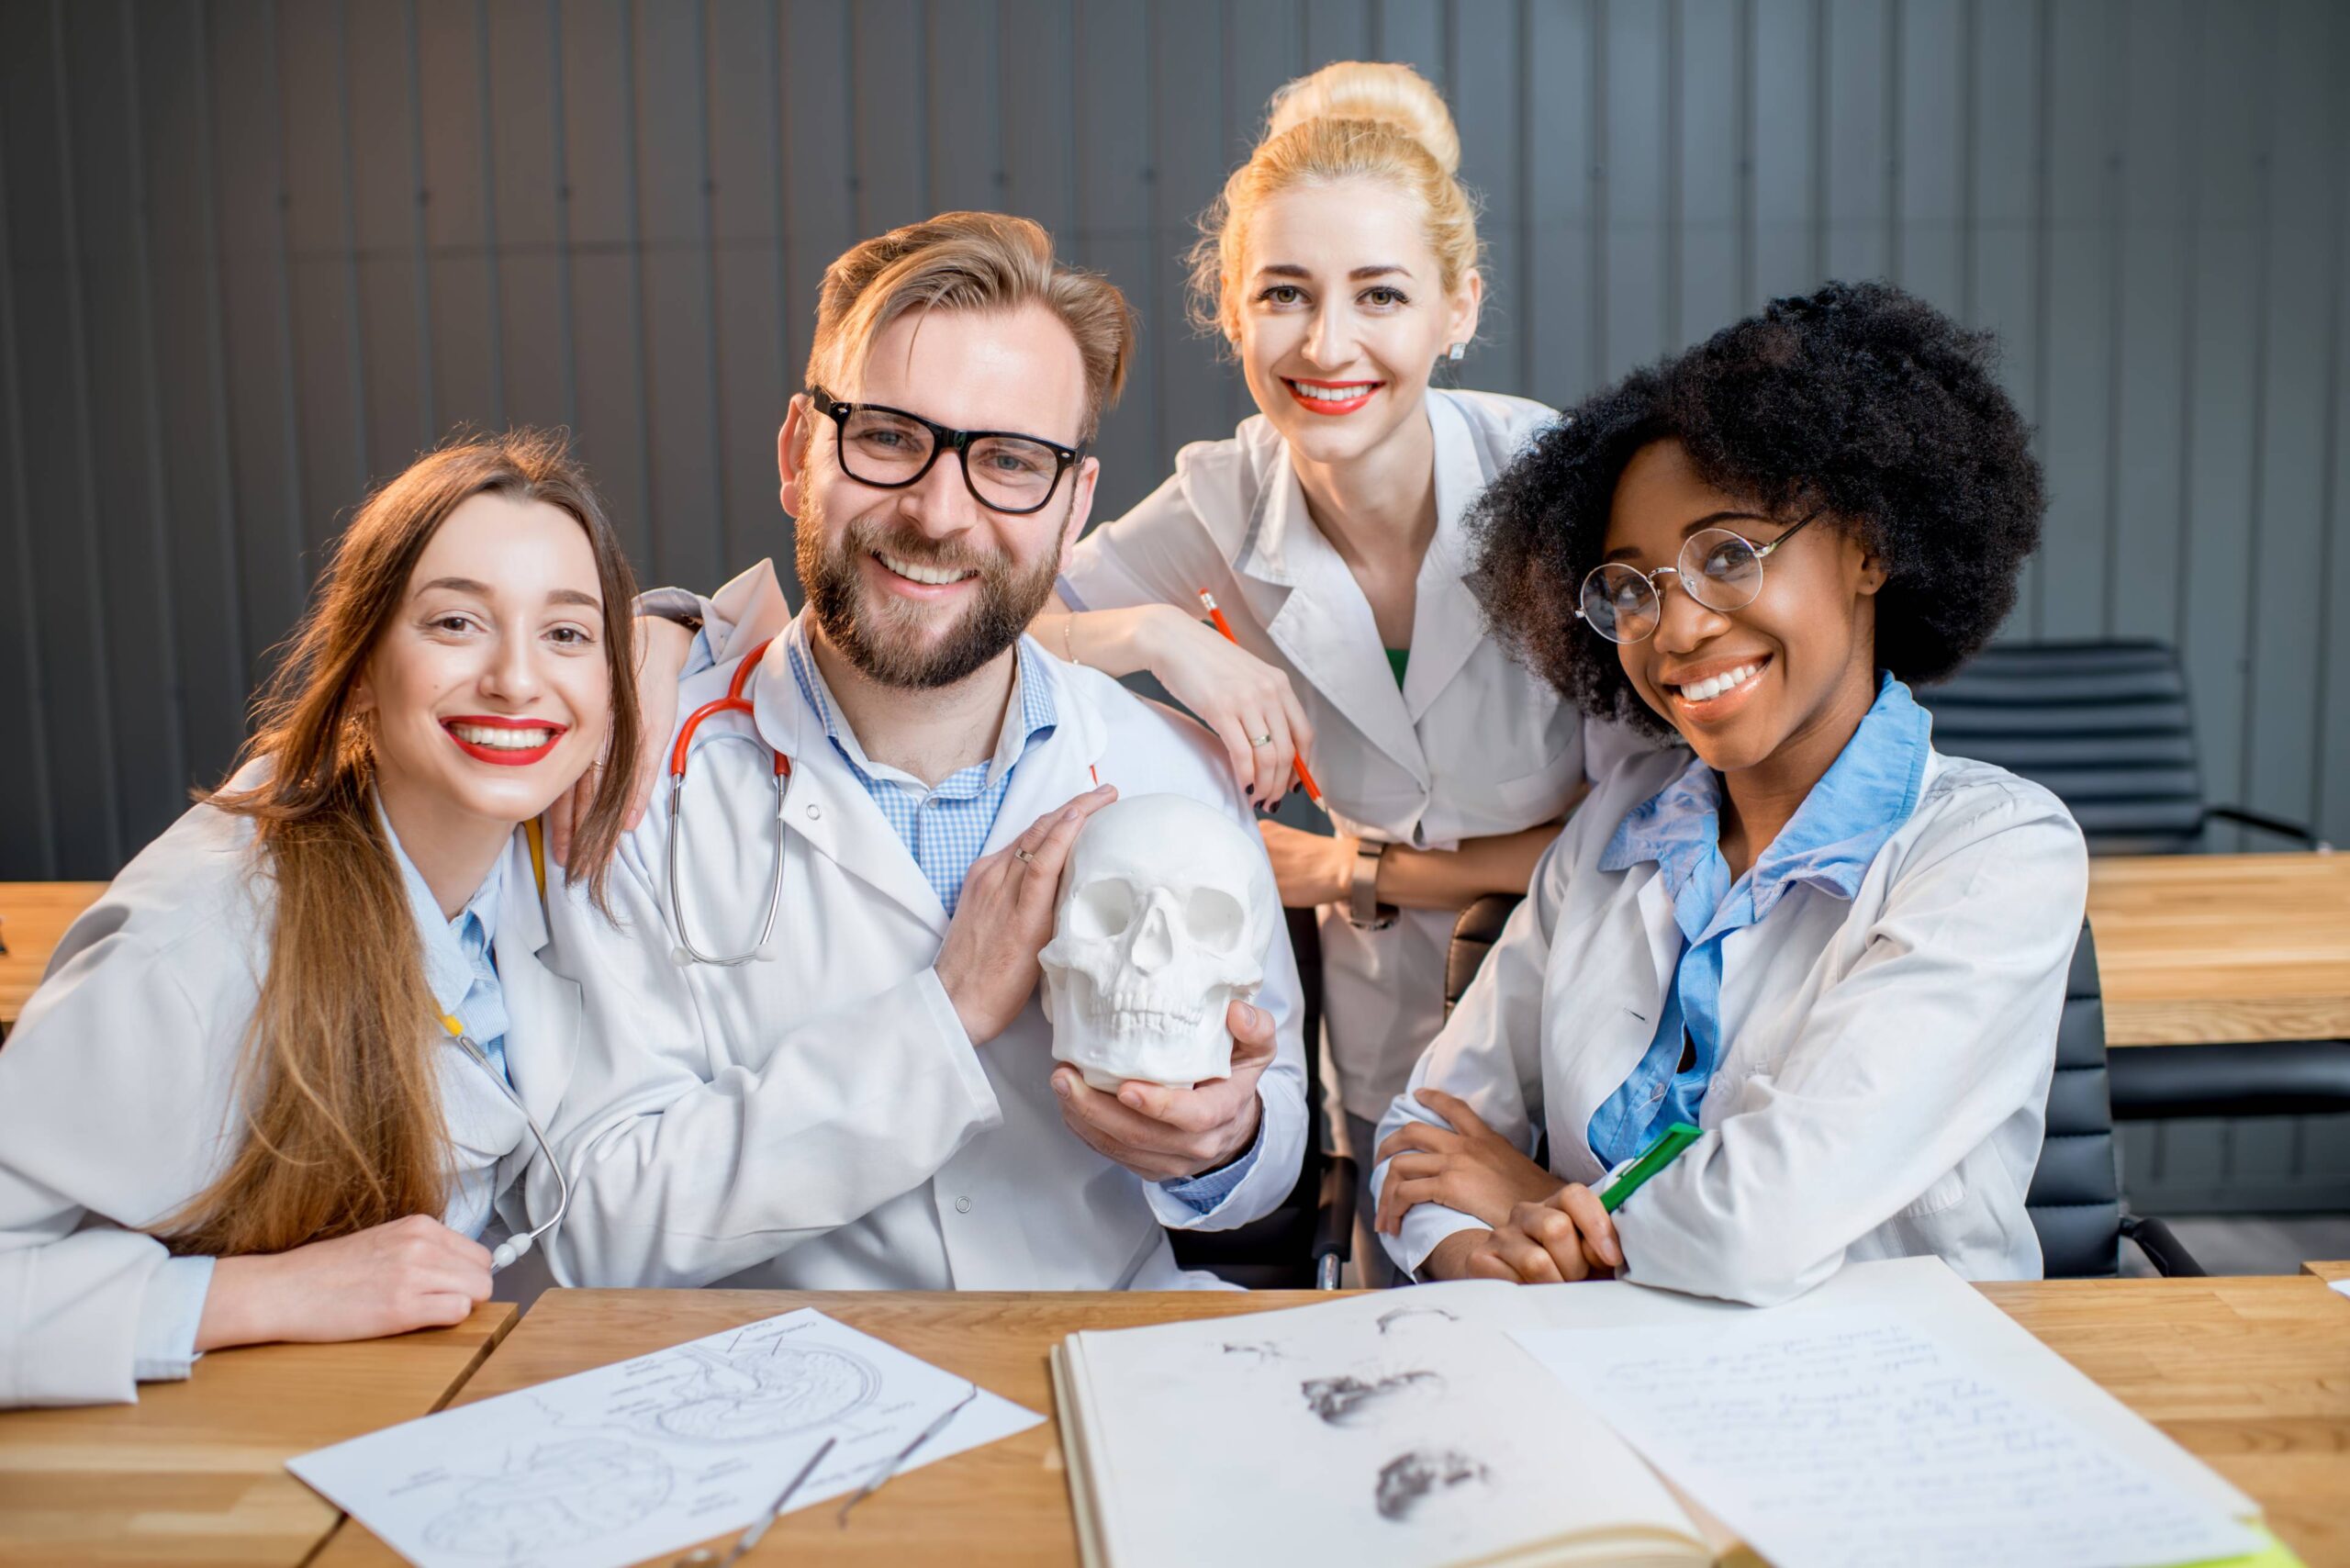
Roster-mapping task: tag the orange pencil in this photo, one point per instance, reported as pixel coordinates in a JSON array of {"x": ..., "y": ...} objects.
[{"x": 1312, "y": 791}]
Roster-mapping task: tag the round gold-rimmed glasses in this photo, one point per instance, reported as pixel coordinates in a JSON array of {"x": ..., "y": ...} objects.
[{"x": 1719, "y": 568}]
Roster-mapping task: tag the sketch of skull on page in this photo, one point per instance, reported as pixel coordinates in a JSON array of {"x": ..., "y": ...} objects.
[
  {"x": 1379, "y": 1430},
  {"x": 645, "y": 1456}
]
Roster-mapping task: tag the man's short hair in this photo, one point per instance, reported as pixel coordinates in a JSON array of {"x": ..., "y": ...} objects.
[{"x": 970, "y": 261}]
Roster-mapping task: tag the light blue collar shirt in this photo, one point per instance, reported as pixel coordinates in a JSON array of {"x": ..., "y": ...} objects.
[
  {"x": 460, "y": 965},
  {"x": 944, "y": 826},
  {"x": 1866, "y": 794}
]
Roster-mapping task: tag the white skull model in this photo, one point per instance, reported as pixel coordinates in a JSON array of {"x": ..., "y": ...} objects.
[{"x": 1166, "y": 913}]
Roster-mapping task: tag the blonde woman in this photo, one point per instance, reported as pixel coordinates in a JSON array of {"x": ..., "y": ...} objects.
[
  {"x": 1340, "y": 266},
  {"x": 238, "y": 1109}
]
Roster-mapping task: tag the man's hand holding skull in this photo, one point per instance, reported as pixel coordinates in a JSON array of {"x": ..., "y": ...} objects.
[{"x": 1160, "y": 1133}]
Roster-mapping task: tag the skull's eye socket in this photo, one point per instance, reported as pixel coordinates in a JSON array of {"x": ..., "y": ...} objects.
[
  {"x": 1214, "y": 918},
  {"x": 1102, "y": 909}
]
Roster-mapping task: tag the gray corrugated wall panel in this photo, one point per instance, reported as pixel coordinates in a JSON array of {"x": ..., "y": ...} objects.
[
  {"x": 2150, "y": 514},
  {"x": 1928, "y": 237},
  {"x": 755, "y": 371},
  {"x": 1559, "y": 308},
  {"x": 1634, "y": 174},
  {"x": 2002, "y": 279},
  {"x": 1187, "y": 117},
  {"x": 29, "y": 849},
  {"x": 2332, "y": 695},
  {"x": 266, "y": 251},
  {"x": 460, "y": 216},
  {"x": 172, "y": 80},
  {"x": 1114, "y": 233},
  {"x": 672, "y": 170},
  {"x": 524, "y": 189},
  {"x": 387, "y": 229},
  {"x": 2077, "y": 259},
  {"x": 52, "y": 374},
  {"x": 2304, "y": 258},
  {"x": 1709, "y": 211},
  {"x": 120, "y": 403},
  {"x": 2227, "y": 359}
]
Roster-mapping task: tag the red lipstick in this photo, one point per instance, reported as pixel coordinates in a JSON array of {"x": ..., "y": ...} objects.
[
  {"x": 1330, "y": 404},
  {"x": 504, "y": 756}
]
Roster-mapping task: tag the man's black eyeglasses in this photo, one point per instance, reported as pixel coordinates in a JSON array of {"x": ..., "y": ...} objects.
[{"x": 890, "y": 449}]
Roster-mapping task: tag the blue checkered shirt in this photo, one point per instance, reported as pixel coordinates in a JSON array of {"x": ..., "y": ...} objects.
[{"x": 945, "y": 826}]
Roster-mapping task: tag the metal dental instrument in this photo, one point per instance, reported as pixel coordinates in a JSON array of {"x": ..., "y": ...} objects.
[
  {"x": 888, "y": 1467},
  {"x": 703, "y": 1557}
]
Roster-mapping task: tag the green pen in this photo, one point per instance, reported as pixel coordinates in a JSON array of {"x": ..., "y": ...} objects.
[{"x": 1653, "y": 1159}]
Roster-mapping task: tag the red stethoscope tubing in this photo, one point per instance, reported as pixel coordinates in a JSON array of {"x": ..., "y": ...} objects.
[{"x": 732, "y": 702}]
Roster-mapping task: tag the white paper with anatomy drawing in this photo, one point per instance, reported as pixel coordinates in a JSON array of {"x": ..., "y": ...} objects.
[{"x": 640, "y": 1458}]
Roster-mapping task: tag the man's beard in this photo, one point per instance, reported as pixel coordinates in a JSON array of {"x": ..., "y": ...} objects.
[{"x": 887, "y": 639}]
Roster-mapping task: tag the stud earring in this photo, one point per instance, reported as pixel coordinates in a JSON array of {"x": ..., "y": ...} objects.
[{"x": 1456, "y": 353}]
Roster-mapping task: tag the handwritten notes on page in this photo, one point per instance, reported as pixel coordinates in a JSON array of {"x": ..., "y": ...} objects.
[
  {"x": 1843, "y": 1438},
  {"x": 640, "y": 1458}
]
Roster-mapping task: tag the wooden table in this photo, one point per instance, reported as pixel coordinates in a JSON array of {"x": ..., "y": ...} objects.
[
  {"x": 2328, "y": 1271},
  {"x": 33, "y": 915},
  {"x": 2253, "y": 1375},
  {"x": 2223, "y": 947},
  {"x": 196, "y": 1471}
]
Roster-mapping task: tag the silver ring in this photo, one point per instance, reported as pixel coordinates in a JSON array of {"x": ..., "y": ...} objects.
[
  {"x": 1022, "y": 856},
  {"x": 1265, "y": 739}
]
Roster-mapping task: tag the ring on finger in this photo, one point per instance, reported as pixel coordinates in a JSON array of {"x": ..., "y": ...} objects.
[
  {"x": 1265, "y": 739},
  {"x": 1022, "y": 856}
]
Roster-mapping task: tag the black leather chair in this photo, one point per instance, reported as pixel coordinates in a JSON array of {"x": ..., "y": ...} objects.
[
  {"x": 1302, "y": 1244},
  {"x": 2107, "y": 728},
  {"x": 2076, "y": 1198}
]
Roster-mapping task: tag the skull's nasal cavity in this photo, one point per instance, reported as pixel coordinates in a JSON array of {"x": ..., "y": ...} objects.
[{"x": 1154, "y": 938}]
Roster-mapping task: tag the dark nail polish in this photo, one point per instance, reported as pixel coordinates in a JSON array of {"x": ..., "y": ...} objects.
[{"x": 1252, "y": 792}]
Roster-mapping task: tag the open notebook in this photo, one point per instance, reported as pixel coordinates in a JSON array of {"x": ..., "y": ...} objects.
[{"x": 1412, "y": 1428}]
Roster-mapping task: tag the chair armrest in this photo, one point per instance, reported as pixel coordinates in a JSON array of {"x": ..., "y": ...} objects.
[
  {"x": 2163, "y": 1248},
  {"x": 1333, "y": 1221},
  {"x": 2266, "y": 824}
]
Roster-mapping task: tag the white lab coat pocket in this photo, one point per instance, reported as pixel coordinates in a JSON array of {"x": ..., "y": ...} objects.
[{"x": 1948, "y": 1192}]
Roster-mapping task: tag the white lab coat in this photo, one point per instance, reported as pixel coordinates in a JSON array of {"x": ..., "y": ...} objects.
[
  {"x": 118, "y": 1103},
  {"x": 817, "y": 1118},
  {"x": 1473, "y": 745},
  {"x": 1885, "y": 1082}
]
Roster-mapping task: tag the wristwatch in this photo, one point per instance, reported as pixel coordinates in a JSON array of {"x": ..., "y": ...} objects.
[{"x": 1364, "y": 912}]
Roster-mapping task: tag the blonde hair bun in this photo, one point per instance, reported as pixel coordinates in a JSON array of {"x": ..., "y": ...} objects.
[
  {"x": 1371, "y": 90},
  {"x": 1352, "y": 120}
]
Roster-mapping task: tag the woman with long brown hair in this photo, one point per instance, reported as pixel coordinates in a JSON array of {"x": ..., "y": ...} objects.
[{"x": 280, "y": 1081}]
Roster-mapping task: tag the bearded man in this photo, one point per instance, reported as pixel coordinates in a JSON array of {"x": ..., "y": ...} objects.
[{"x": 865, "y": 1097}]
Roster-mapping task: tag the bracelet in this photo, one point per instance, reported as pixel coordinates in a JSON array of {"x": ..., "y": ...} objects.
[
  {"x": 1364, "y": 912},
  {"x": 1068, "y": 637}
]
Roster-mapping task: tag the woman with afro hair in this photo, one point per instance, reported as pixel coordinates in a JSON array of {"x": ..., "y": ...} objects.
[{"x": 1837, "y": 953}]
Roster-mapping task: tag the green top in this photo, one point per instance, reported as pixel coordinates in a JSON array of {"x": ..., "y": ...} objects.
[{"x": 1396, "y": 659}]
